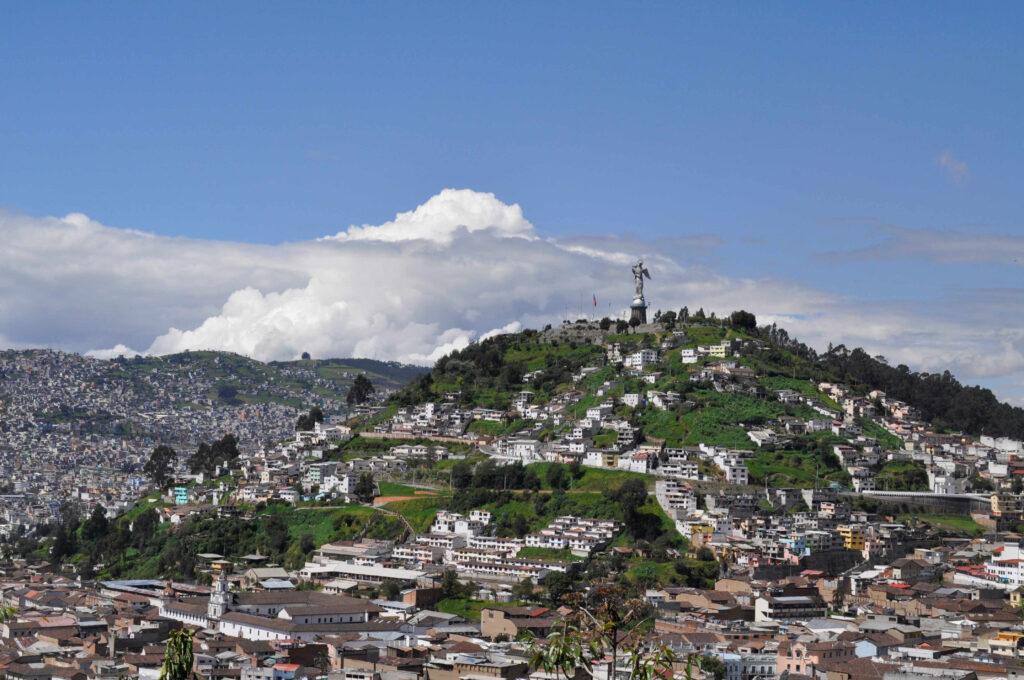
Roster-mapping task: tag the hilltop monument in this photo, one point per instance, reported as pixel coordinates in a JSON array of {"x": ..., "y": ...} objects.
[{"x": 638, "y": 309}]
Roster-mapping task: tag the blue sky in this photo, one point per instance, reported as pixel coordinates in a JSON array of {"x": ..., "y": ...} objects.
[{"x": 827, "y": 145}]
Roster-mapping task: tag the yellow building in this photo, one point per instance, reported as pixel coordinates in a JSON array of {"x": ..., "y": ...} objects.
[
  {"x": 853, "y": 536},
  {"x": 700, "y": 534},
  {"x": 1006, "y": 505},
  {"x": 719, "y": 351},
  {"x": 1007, "y": 643}
]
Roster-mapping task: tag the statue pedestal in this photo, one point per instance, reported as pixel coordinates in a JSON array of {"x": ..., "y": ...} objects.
[{"x": 638, "y": 311}]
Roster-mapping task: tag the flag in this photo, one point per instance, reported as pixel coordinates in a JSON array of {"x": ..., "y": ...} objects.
[{"x": 595, "y": 301}]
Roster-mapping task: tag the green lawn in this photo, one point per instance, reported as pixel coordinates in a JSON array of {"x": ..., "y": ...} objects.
[
  {"x": 593, "y": 479},
  {"x": 884, "y": 437},
  {"x": 420, "y": 512},
  {"x": 393, "y": 489},
  {"x": 795, "y": 468},
  {"x": 549, "y": 554},
  {"x": 954, "y": 524},
  {"x": 903, "y": 475},
  {"x": 470, "y": 609},
  {"x": 328, "y": 524}
]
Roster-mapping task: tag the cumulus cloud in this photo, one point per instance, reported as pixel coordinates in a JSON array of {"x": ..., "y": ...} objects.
[
  {"x": 114, "y": 352},
  {"x": 956, "y": 169},
  {"x": 462, "y": 266},
  {"x": 441, "y": 217}
]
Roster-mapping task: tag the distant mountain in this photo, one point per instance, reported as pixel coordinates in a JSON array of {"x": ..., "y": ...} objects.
[{"x": 392, "y": 372}]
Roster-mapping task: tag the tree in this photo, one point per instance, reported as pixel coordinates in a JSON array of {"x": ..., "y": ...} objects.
[
  {"x": 228, "y": 394},
  {"x": 558, "y": 585},
  {"x": 645, "y": 574},
  {"x": 208, "y": 457},
  {"x": 631, "y": 496},
  {"x": 276, "y": 533},
  {"x": 711, "y": 664},
  {"x": 576, "y": 470},
  {"x": 743, "y": 320},
  {"x": 360, "y": 391},
  {"x": 391, "y": 590},
  {"x": 523, "y": 590},
  {"x": 308, "y": 421},
  {"x": 634, "y": 322},
  {"x": 584, "y": 638},
  {"x": 668, "y": 320},
  {"x": 178, "y": 658},
  {"x": 520, "y": 525},
  {"x": 530, "y": 479},
  {"x": 450, "y": 586},
  {"x": 462, "y": 475},
  {"x": 605, "y": 324},
  {"x": 96, "y": 526},
  {"x": 160, "y": 465},
  {"x": 70, "y": 515},
  {"x": 621, "y": 326},
  {"x": 305, "y": 356},
  {"x": 62, "y": 546},
  {"x": 144, "y": 527},
  {"x": 365, "y": 487},
  {"x": 705, "y": 554},
  {"x": 555, "y": 476}
]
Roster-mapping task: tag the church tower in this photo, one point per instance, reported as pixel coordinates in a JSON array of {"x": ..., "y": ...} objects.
[{"x": 220, "y": 599}]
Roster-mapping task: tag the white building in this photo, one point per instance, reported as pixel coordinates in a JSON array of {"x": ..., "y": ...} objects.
[
  {"x": 1007, "y": 564},
  {"x": 641, "y": 359}
]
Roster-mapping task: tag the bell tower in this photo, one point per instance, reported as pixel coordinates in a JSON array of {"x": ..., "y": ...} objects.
[{"x": 221, "y": 599}]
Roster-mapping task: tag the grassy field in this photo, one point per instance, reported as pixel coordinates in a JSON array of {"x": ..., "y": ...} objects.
[
  {"x": 720, "y": 418},
  {"x": 954, "y": 524},
  {"x": 794, "y": 468},
  {"x": 889, "y": 441},
  {"x": 549, "y": 554},
  {"x": 420, "y": 512},
  {"x": 593, "y": 479},
  {"x": 467, "y": 608},
  {"x": 392, "y": 489},
  {"x": 494, "y": 429},
  {"x": 327, "y": 524},
  {"x": 903, "y": 475}
]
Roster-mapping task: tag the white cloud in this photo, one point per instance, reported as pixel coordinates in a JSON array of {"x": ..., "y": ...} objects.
[
  {"x": 955, "y": 168},
  {"x": 443, "y": 215},
  {"x": 114, "y": 352},
  {"x": 460, "y": 267},
  {"x": 942, "y": 246}
]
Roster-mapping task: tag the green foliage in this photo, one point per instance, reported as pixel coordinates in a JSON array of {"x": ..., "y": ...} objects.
[
  {"x": 902, "y": 476},
  {"x": 718, "y": 418},
  {"x": 552, "y": 554},
  {"x": 887, "y": 440},
  {"x": 743, "y": 320},
  {"x": 360, "y": 391},
  {"x": 942, "y": 400},
  {"x": 178, "y": 657},
  {"x": 309, "y": 420},
  {"x": 490, "y": 373},
  {"x": 208, "y": 456},
  {"x": 160, "y": 465},
  {"x": 365, "y": 487}
]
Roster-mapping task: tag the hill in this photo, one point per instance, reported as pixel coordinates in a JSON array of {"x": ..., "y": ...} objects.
[
  {"x": 491, "y": 372},
  {"x": 687, "y": 397}
]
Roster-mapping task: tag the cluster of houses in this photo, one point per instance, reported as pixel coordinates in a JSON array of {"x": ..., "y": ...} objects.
[{"x": 79, "y": 430}]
